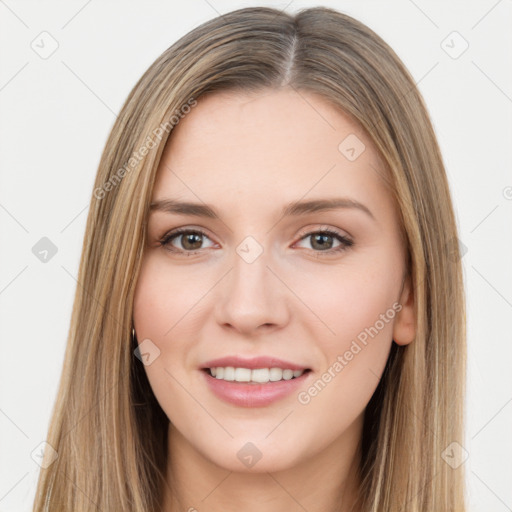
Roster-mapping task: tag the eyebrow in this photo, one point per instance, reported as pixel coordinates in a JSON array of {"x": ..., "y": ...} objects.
[{"x": 295, "y": 208}]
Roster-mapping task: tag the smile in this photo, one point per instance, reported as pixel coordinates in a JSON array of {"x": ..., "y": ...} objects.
[
  {"x": 256, "y": 376},
  {"x": 253, "y": 381}
]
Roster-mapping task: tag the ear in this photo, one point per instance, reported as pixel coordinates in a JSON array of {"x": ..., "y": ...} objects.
[{"x": 404, "y": 328}]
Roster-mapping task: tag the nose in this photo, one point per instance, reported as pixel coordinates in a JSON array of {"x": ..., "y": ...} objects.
[{"x": 252, "y": 299}]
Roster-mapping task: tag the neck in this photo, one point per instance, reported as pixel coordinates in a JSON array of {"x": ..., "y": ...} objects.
[{"x": 328, "y": 481}]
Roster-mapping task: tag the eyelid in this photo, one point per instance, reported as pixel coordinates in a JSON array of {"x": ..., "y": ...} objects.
[{"x": 323, "y": 227}]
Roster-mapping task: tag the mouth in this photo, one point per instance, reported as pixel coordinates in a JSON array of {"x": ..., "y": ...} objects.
[{"x": 257, "y": 382}]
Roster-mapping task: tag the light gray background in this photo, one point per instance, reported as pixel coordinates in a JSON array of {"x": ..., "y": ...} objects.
[{"x": 55, "y": 114}]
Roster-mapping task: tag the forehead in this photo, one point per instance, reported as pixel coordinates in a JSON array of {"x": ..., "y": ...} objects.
[{"x": 269, "y": 146}]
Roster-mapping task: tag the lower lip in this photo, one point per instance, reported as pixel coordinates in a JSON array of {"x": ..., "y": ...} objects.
[{"x": 245, "y": 394}]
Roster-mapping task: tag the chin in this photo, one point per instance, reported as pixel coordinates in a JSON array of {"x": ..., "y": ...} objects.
[{"x": 258, "y": 456}]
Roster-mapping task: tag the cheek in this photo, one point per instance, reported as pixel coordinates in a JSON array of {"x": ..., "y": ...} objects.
[
  {"x": 360, "y": 317},
  {"x": 349, "y": 304},
  {"x": 356, "y": 309},
  {"x": 163, "y": 310},
  {"x": 166, "y": 299},
  {"x": 162, "y": 305}
]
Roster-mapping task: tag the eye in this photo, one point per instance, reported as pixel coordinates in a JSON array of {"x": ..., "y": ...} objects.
[
  {"x": 189, "y": 239},
  {"x": 323, "y": 241}
]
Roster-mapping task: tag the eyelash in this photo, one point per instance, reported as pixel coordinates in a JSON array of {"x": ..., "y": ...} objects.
[{"x": 345, "y": 242}]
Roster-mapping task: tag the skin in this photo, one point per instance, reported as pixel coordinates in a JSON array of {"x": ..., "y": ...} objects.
[{"x": 247, "y": 155}]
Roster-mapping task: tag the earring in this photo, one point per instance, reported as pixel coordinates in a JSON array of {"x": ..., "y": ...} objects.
[{"x": 133, "y": 333}]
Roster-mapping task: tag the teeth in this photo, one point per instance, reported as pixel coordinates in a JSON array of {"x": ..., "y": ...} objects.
[
  {"x": 258, "y": 375},
  {"x": 287, "y": 374},
  {"x": 242, "y": 374},
  {"x": 275, "y": 374}
]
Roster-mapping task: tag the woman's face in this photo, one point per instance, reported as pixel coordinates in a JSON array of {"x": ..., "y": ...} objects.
[{"x": 264, "y": 275}]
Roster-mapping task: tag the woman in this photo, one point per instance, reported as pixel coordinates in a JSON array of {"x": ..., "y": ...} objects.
[{"x": 270, "y": 312}]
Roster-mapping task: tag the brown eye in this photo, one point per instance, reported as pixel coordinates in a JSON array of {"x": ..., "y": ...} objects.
[
  {"x": 325, "y": 240},
  {"x": 322, "y": 241},
  {"x": 187, "y": 241},
  {"x": 191, "y": 241}
]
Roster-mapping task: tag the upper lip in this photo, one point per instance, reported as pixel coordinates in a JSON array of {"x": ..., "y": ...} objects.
[{"x": 253, "y": 363}]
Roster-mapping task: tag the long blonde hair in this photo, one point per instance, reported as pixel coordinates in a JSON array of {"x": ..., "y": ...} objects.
[{"x": 106, "y": 426}]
